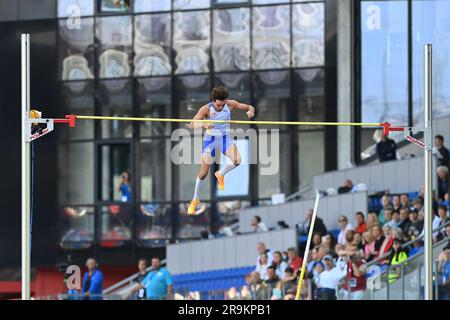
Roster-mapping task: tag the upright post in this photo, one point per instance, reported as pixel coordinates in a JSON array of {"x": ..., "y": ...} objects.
[
  {"x": 25, "y": 169},
  {"x": 428, "y": 174}
]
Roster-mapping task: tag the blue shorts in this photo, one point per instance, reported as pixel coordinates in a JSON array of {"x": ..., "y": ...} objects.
[{"x": 211, "y": 143}]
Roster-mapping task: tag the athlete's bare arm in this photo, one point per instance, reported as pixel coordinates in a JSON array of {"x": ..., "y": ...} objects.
[
  {"x": 233, "y": 104},
  {"x": 202, "y": 114}
]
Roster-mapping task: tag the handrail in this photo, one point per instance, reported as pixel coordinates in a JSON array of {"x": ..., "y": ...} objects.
[
  {"x": 129, "y": 279},
  {"x": 299, "y": 192},
  {"x": 406, "y": 244}
]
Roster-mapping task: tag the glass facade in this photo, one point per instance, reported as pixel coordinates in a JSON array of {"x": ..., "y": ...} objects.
[
  {"x": 160, "y": 59},
  {"x": 393, "y": 34}
]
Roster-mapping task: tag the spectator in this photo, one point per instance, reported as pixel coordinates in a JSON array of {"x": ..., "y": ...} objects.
[
  {"x": 387, "y": 243},
  {"x": 369, "y": 246},
  {"x": 405, "y": 222},
  {"x": 416, "y": 227},
  {"x": 347, "y": 187},
  {"x": 319, "y": 226},
  {"x": 257, "y": 288},
  {"x": 142, "y": 267},
  {"x": 355, "y": 282},
  {"x": 417, "y": 247},
  {"x": 328, "y": 241},
  {"x": 261, "y": 248},
  {"x": 358, "y": 241},
  {"x": 295, "y": 262},
  {"x": 344, "y": 226},
  {"x": 395, "y": 221},
  {"x": 443, "y": 185},
  {"x": 92, "y": 281},
  {"x": 386, "y": 149},
  {"x": 398, "y": 255},
  {"x": 404, "y": 201},
  {"x": 258, "y": 225},
  {"x": 245, "y": 291},
  {"x": 444, "y": 269},
  {"x": 261, "y": 268},
  {"x": 316, "y": 240},
  {"x": 441, "y": 152},
  {"x": 396, "y": 204},
  {"x": 124, "y": 187},
  {"x": 328, "y": 280},
  {"x": 388, "y": 218},
  {"x": 312, "y": 257},
  {"x": 340, "y": 261},
  {"x": 279, "y": 264},
  {"x": 439, "y": 221},
  {"x": 158, "y": 283},
  {"x": 447, "y": 233},
  {"x": 273, "y": 283},
  {"x": 386, "y": 203},
  {"x": 361, "y": 225},
  {"x": 289, "y": 280},
  {"x": 379, "y": 238},
  {"x": 349, "y": 238},
  {"x": 418, "y": 204},
  {"x": 372, "y": 219}
]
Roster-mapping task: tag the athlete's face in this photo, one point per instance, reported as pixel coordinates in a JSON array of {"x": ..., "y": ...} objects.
[{"x": 219, "y": 104}]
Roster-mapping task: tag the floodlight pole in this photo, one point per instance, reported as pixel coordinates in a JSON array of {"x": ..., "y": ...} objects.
[
  {"x": 428, "y": 174},
  {"x": 25, "y": 170}
]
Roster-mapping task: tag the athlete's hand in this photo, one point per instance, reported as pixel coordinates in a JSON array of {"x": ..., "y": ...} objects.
[
  {"x": 208, "y": 126},
  {"x": 251, "y": 113}
]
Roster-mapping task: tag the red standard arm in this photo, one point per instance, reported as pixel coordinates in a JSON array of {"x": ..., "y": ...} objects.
[{"x": 387, "y": 127}]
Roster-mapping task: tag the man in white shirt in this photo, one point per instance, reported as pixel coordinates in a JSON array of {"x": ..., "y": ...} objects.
[
  {"x": 328, "y": 280},
  {"x": 345, "y": 225},
  {"x": 258, "y": 225}
]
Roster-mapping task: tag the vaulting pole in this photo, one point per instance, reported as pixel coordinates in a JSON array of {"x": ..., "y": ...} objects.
[
  {"x": 428, "y": 174},
  {"x": 25, "y": 170}
]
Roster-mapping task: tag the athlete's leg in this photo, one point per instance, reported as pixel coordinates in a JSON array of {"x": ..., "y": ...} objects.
[
  {"x": 232, "y": 153},
  {"x": 206, "y": 161}
]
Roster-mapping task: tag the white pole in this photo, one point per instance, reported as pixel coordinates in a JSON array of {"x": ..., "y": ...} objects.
[
  {"x": 428, "y": 136},
  {"x": 25, "y": 48},
  {"x": 308, "y": 243}
]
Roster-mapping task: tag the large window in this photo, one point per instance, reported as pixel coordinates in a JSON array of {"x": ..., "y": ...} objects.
[
  {"x": 430, "y": 25},
  {"x": 393, "y": 34},
  {"x": 384, "y": 61}
]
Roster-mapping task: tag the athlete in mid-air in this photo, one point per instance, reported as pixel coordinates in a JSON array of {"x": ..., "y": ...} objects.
[{"x": 217, "y": 137}]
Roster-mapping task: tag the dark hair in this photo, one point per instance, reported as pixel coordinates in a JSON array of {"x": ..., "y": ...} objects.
[
  {"x": 219, "y": 93},
  {"x": 271, "y": 267},
  {"x": 144, "y": 260},
  {"x": 258, "y": 218},
  {"x": 442, "y": 207},
  {"x": 289, "y": 270},
  {"x": 128, "y": 175},
  {"x": 440, "y": 137},
  {"x": 359, "y": 213}
]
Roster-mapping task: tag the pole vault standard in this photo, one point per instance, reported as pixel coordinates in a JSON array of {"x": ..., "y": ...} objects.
[
  {"x": 25, "y": 149},
  {"x": 33, "y": 119}
]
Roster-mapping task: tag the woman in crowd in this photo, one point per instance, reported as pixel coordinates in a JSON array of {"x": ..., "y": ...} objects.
[
  {"x": 279, "y": 264},
  {"x": 358, "y": 242},
  {"x": 378, "y": 238},
  {"x": 369, "y": 246},
  {"x": 397, "y": 256},
  {"x": 372, "y": 220},
  {"x": 262, "y": 267},
  {"x": 387, "y": 243}
]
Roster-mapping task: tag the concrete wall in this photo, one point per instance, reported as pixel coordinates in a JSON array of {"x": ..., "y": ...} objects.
[
  {"x": 222, "y": 253},
  {"x": 294, "y": 212},
  {"x": 396, "y": 176}
]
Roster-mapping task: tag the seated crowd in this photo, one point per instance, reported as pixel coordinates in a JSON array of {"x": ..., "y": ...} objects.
[{"x": 337, "y": 267}]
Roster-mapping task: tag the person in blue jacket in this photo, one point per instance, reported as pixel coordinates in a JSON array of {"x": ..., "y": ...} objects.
[{"x": 92, "y": 281}]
